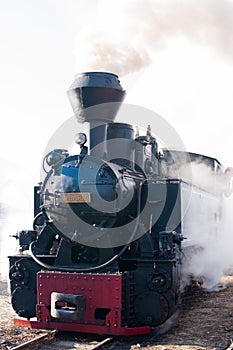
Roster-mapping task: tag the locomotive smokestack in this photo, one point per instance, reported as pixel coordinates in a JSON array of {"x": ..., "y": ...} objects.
[{"x": 102, "y": 90}]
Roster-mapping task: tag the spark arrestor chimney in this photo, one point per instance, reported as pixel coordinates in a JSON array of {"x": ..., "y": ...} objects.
[{"x": 102, "y": 90}]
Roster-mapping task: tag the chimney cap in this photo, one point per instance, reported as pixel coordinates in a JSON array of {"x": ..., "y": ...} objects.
[
  {"x": 96, "y": 79},
  {"x": 96, "y": 88}
]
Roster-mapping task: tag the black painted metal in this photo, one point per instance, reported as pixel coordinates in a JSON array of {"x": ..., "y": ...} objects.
[
  {"x": 150, "y": 266},
  {"x": 96, "y": 98},
  {"x": 93, "y": 88},
  {"x": 120, "y": 138},
  {"x": 37, "y": 200}
]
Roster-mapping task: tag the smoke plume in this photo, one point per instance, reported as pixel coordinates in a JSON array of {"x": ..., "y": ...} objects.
[{"x": 128, "y": 34}]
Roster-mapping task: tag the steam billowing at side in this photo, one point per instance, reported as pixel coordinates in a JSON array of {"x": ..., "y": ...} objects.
[
  {"x": 212, "y": 257},
  {"x": 128, "y": 34}
]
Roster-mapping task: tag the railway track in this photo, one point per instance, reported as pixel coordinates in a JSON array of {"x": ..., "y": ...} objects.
[
  {"x": 52, "y": 340},
  {"x": 204, "y": 322},
  {"x": 31, "y": 343}
]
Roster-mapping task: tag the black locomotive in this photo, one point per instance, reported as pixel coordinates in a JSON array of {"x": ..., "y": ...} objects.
[{"x": 106, "y": 248}]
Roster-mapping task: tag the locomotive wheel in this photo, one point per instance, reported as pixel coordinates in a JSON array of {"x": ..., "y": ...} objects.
[
  {"x": 152, "y": 308},
  {"x": 24, "y": 302}
]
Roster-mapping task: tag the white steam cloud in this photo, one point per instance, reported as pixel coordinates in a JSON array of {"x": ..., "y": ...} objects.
[
  {"x": 16, "y": 210},
  {"x": 208, "y": 226},
  {"x": 128, "y": 34}
]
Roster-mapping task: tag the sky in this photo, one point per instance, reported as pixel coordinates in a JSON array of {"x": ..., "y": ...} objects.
[{"x": 186, "y": 82}]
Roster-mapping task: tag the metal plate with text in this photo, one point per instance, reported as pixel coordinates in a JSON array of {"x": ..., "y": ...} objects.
[{"x": 75, "y": 197}]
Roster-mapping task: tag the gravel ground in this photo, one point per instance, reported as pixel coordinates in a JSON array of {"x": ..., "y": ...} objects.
[{"x": 204, "y": 321}]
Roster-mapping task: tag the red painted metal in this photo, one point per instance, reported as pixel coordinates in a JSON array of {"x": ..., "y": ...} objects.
[
  {"x": 82, "y": 328},
  {"x": 101, "y": 291}
]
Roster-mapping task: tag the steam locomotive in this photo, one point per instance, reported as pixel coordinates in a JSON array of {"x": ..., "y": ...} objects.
[{"x": 106, "y": 250}]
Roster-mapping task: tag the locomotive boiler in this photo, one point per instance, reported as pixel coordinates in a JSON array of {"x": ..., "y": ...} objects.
[{"x": 106, "y": 249}]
